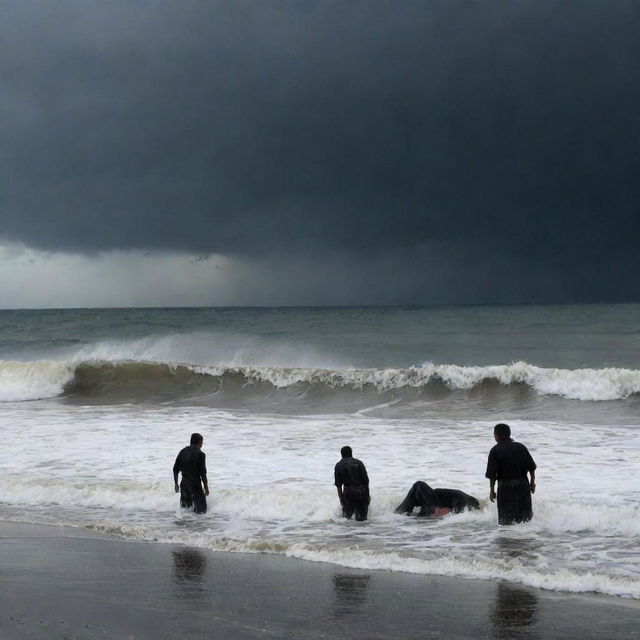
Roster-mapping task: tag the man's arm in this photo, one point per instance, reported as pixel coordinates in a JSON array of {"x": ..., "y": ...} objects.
[
  {"x": 492, "y": 474},
  {"x": 365, "y": 477},
  {"x": 203, "y": 473},
  {"x": 531, "y": 468},
  {"x": 176, "y": 470},
  {"x": 338, "y": 482}
]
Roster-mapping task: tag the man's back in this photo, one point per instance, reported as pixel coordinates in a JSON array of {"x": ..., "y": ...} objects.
[
  {"x": 191, "y": 463},
  {"x": 351, "y": 472},
  {"x": 455, "y": 500},
  {"x": 509, "y": 460}
]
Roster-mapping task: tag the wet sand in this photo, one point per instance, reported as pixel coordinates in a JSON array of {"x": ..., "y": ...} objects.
[{"x": 72, "y": 584}]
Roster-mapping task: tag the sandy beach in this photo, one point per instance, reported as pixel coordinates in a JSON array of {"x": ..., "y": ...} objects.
[{"x": 74, "y": 584}]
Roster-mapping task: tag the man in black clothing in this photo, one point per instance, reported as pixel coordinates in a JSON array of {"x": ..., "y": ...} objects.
[
  {"x": 352, "y": 483},
  {"x": 428, "y": 499},
  {"x": 509, "y": 462},
  {"x": 192, "y": 464}
]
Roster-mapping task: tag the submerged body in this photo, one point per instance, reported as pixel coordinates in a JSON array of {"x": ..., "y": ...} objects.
[{"x": 429, "y": 500}]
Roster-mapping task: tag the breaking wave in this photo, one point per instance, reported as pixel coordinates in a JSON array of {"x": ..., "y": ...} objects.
[
  {"x": 34, "y": 380},
  {"x": 139, "y": 381}
]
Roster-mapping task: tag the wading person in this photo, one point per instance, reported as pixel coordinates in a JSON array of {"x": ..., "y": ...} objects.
[
  {"x": 352, "y": 484},
  {"x": 192, "y": 465},
  {"x": 431, "y": 501},
  {"x": 509, "y": 462}
]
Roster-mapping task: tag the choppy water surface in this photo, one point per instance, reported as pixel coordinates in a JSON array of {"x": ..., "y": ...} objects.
[{"x": 96, "y": 405}]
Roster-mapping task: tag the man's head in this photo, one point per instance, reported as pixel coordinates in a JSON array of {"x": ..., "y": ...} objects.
[
  {"x": 501, "y": 432},
  {"x": 346, "y": 452},
  {"x": 196, "y": 440}
]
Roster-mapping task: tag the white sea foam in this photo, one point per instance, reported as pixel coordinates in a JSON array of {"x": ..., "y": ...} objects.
[
  {"x": 477, "y": 568},
  {"x": 46, "y": 379},
  {"x": 270, "y": 503},
  {"x": 271, "y": 489},
  {"x": 33, "y": 380},
  {"x": 444, "y": 564},
  {"x": 88, "y": 494},
  {"x": 579, "y": 384}
]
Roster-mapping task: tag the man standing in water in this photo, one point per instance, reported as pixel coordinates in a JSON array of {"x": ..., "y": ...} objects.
[
  {"x": 352, "y": 483},
  {"x": 191, "y": 463},
  {"x": 509, "y": 462}
]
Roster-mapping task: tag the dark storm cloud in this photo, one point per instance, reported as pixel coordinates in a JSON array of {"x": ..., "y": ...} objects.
[{"x": 494, "y": 146}]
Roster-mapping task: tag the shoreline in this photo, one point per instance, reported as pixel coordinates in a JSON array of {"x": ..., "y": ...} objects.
[{"x": 75, "y": 583}]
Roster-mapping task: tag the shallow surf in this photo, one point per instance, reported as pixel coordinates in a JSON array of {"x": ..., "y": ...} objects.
[{"x": 105, "y": 399}]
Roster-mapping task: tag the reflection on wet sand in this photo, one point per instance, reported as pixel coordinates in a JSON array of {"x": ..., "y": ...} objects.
[
  {"x": 189, "y": 566},
  {"x": 350, "y": 592},
  {"x": 514, "y": 613}
]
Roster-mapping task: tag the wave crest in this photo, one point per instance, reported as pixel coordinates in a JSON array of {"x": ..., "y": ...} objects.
[{"x": 147, "y": 381}]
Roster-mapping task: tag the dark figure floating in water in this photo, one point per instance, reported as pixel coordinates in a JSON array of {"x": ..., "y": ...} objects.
[
  {"x": 509, "y": 462},
  {"x": 352, "y": 483},
  {"x": 436, "y": 501},
  {"x": 192, "y": 464}
]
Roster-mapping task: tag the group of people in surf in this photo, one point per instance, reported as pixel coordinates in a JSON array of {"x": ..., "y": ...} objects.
[
  {"x": 510, "y": 465},
  {"x": 352, "y": 483}
]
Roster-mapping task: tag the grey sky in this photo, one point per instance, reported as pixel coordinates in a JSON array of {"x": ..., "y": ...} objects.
[{"x": 389, "y": 152}]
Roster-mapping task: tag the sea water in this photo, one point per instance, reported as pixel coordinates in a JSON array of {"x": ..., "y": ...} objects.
[{"x": 95, "y": 405}]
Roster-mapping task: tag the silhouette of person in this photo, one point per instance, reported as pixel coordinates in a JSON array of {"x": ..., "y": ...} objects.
[
  {"x": 191, "y": 463},
  {"x": 508, "y": 464},
  {"x": 352, "y": 484}
]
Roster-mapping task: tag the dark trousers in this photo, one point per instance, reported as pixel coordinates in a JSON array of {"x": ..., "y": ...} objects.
[
  {"x": 192, "y": 495},
  {"x": 514, "y": 501},
  {"x": 355, "y": 499}
]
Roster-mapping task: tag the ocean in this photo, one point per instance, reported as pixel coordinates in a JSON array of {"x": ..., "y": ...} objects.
[{"x": 96, "y": 403}]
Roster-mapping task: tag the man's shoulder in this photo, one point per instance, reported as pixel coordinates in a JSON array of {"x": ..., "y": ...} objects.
[
  {"x": 191, "y": 451},
  {"x": 348, "y": 462},
  {"x": 506, "y": 445}
]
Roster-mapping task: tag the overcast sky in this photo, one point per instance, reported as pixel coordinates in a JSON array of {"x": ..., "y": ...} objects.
[{"x": 345, "y": 152}]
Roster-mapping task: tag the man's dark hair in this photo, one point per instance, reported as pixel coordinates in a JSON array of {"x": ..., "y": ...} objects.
[
  {"x": 346, "y": 452},
  {"x": 196, "y": 438},
  {"x": 502, "y": 430}
]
